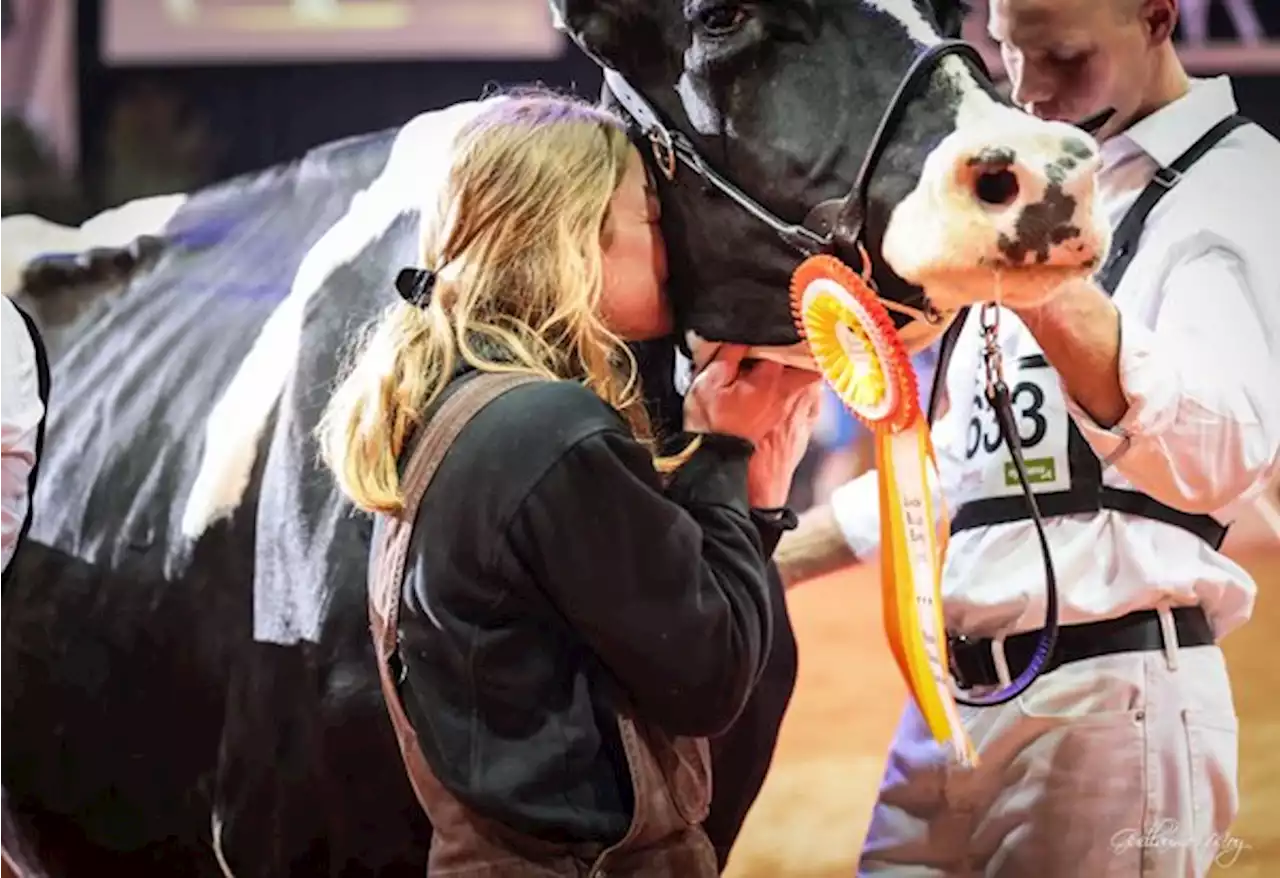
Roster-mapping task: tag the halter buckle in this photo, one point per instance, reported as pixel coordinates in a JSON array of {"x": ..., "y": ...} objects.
[{"x": 664, "y": 150}]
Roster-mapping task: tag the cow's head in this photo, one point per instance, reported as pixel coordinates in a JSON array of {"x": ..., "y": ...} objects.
[{"x": 784, "y": 98}]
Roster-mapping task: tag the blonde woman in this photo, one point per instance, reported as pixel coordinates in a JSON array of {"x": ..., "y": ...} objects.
[{"x": 562, "y": 576}]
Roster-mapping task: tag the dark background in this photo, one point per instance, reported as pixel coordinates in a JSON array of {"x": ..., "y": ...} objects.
[
  {"x": 280, "y": 111},
  {"x": 151, "y": 130}
]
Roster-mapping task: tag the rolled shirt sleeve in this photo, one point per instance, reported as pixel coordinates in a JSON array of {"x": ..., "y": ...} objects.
[{"x": 1202, "y": 430}]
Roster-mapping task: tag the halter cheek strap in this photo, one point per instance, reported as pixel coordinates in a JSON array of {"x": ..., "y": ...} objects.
[{"x": 671, "y": 148}]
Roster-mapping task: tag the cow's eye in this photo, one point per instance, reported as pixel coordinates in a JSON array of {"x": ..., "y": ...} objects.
[{"x": 719, "y": 20}]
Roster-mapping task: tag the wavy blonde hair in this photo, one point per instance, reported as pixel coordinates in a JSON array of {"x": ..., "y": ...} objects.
[{"x": 516, "y": 243}]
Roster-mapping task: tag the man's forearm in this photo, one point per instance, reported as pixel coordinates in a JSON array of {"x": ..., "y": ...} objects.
[
  {"x": 815, "y": 548},
  {"x": 1080, "y": 334}
]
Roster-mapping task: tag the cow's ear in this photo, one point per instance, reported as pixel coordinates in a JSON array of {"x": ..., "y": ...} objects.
[
  {"x": 949, "y": 15},
  {"x": 622, "y": 34}
]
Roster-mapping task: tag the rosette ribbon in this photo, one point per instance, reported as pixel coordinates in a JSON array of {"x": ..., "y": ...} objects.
[{"x": 859, "y": 352}]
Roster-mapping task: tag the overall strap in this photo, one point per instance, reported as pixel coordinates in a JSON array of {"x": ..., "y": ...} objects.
[
  {"x": 387, "y": 577},
  {"x": 1088, "y": 493},
  {"x": 42, "y": 388},
  {"x": 1124, "y": 243},
  {"x": 946, "y": 347}
]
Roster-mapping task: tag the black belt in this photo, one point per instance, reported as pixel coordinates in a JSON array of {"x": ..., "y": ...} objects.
[{"x": 973, "y": 663}]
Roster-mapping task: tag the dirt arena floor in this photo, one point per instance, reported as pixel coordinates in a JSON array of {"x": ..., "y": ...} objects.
[{"x": 811, "y": 815}]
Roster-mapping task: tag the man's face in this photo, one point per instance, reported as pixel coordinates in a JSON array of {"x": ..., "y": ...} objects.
[{"x": 1073, "y": 59}]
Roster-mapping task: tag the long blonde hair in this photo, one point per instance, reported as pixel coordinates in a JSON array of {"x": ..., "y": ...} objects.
[{"x": 516, "y": 243}]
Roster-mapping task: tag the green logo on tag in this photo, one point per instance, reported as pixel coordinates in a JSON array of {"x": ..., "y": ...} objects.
[{"x": 1039, "y": 471}]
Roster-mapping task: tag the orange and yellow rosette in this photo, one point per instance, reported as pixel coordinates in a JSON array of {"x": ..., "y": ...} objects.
[{"x": 858, "y": 349}]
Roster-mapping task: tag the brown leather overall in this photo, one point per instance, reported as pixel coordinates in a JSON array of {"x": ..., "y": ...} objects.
[{"x": 671, "y": 777}]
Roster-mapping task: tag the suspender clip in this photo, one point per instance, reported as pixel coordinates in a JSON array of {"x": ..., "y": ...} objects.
[
  {"x": 992, "y": 358},
  {"x": 1168, "y": 177}
]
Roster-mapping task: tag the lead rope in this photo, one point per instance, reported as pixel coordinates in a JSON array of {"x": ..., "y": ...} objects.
[{"x": 1002, "y": 403}]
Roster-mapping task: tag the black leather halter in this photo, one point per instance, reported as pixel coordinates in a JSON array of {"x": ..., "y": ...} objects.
[
  {"x": 671, "y": 148},
  {"x": 842, "y": 224}
]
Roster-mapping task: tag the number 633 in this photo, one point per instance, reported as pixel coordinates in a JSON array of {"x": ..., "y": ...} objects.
[{"x": 984, "y": 429}]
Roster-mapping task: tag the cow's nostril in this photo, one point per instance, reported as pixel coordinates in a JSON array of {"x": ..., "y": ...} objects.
[{"x": 996, "y": 188}]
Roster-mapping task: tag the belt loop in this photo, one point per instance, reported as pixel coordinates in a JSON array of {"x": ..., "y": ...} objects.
[
  {"x": 1168, "y": 634},
  {"x": 1000, "y": 661}
]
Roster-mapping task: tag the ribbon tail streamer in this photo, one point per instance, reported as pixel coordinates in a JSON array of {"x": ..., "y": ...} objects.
[
  {"x": 914, "y": 556},
  {"x": 855, "y": 343}
]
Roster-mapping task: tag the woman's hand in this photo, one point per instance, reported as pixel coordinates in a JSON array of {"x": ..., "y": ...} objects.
[{"x": 770, "y": 405}]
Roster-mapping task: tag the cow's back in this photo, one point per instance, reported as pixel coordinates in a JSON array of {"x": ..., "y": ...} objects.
[{"x": 121, "y": 637}]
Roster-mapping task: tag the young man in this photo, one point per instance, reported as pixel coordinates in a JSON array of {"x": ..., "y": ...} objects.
[
  {"x": 1149, "y": 400},
  {"x": 25, "y": 390}
]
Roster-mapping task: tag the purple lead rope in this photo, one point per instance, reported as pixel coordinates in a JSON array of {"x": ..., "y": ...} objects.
[{"x": 998, "y": 396}]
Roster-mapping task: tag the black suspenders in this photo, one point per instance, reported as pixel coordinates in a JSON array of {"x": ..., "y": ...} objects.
[
  {"x": 1088, "y": 493},
  {"x": 42, "y": 383}
]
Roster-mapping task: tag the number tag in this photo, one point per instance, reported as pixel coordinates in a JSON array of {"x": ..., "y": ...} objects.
[{"x": 1040, "y": 412}]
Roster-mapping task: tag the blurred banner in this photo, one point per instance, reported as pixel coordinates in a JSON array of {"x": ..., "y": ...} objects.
[
  {"x": 174, "y": 32},
  {"x": 38, "y": 80},
  {"x": 1239, "y": 37}
]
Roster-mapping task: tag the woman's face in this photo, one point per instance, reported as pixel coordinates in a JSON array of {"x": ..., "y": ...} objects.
[{"x": 634, "y": 302}]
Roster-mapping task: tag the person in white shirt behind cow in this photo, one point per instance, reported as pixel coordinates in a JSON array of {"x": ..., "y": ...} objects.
[
  {"x": 1148, "y": 409},
  {"x": 25, "y": 391}
]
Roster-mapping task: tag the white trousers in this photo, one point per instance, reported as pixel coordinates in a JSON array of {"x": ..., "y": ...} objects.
[{"x": 1116, "y": 767}]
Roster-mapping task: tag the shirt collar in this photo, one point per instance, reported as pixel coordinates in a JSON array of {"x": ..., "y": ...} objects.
[{"x": 1174, "y": 128}]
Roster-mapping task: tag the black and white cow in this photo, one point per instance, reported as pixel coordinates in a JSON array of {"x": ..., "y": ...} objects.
[{"x": 188, "y": 682}]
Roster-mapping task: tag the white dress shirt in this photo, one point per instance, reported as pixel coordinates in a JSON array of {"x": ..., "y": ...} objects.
[
  {"x": 22, "y": 411},
  {"x": 1200, "y": 367}
]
